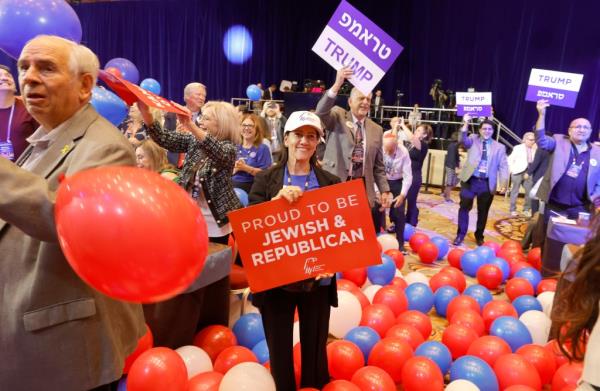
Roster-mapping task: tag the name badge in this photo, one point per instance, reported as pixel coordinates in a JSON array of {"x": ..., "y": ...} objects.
[
  {"x": 574, "y": 170},
  {"x": 6, "y": 150}
]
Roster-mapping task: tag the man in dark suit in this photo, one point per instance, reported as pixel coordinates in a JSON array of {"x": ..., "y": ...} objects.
[
  {"x": 270, "y": 93},
  {"x": 353, "y": 142},
  {"x": 486, "y": 166},
  {"x": 376, "y": 104},
  {"x": 57, "y": 332}
]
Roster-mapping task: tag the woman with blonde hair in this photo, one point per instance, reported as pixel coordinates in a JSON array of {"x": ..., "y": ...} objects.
[{"x": 153, "y": 157}]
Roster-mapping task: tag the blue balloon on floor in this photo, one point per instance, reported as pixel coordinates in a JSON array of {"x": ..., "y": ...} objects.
[
  {"x": 364, "y": 337},
  {"x": 470, "y": 262},
  {"x": 127, "y": 68},
  {"x": 151, "y": 85},
  {"x": 253, "y": 92},
  {"x": 248, "y": 330},
  {"x": 437, "y": 352},
  {"x": 479, "y": 293},
  {"x": 475, "y": 370},
  {"x": 237, "y": 44},
  {"x": 503, "y": 265},
  {"x": 109, "y": 105},
  {"x": 242, "y": 195},
  {"x": 526, "y": 303},
  {"x": 530, "y": 274},
  {"x": 442, "y": 297},
  {"x": 420, "y": 297},
  {"x": 383, "y": 273},
  {"x": 442, "y": 244},
  {"x": 261, "y": 351},
  {"x": 485, "y": 253},
  {"x": 511, "y": 330},
  {"x": 409, "y": 231}
]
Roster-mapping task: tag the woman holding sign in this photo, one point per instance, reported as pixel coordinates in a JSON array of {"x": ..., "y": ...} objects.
[{"x": 295, "y": 173}]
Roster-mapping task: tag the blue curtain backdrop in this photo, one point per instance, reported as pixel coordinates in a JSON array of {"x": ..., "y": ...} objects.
[{"x": 489, "y": 45}]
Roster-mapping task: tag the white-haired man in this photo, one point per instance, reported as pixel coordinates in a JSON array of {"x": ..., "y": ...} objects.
[
  {"x": 519, "y": 160},
  {"x": 59, "y": 333}
]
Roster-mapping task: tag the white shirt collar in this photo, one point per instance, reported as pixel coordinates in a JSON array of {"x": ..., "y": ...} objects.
[{"x": 43, "y": 139}]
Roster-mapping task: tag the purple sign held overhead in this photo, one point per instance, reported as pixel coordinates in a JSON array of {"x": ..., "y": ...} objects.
[{"x": 559, "y": 88}]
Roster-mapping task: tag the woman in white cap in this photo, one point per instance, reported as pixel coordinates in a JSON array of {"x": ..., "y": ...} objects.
[{"x": 296, "y": 172}]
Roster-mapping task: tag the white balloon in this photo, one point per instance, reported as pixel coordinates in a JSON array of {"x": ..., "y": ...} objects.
[
  {"x": 462, "y": 385},
  {"x": 546, "y": 299},
  {"x": 247, "y": 376},
  {"x": 370, "y": 291},
  {"x": 367, "y": 284},
  {"x": 196, "y": 360},
  {"x": 538, "y": 325},
  {"x": 345, "y": 316},
  {"x": 296, "y": 332},
  {"x": 413, "y": 277},
  {"x": 399, "y": 274},
  {"x": 388, "y": 242}
]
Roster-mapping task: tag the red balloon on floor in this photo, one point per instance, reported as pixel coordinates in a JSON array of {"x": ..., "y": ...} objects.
[
  {"x": 341, "y": 385},
  {"x": 554, "y": 349},
  {"x": 547, "y": 285},
  {"x": 495, "y": 309},
  {"x": 358, "y": 276},
  {"x": 567, "y": 375},
  {"x": 397, "y": 256},
  {"x": 344, "y": 359},
  {"x": 534, "y": 257},
  {"x": 462, "y": 302},
  {"x": 428, "y": 252},
  {"x": 232, "y": 356},
  {"x": 457, "y": 339},
  {"x": 489, "y": 348},
  {"x": 420, "y": 374},
  {"x": 158, "y": 369},
  {"x": 490, "y": 276},
  {"x": 144, "y": 343},
  {"x": 454, "y": 257},
  {"x": 408, "y": 333},
  {"x": 373, "y": 378},
  {"x": 518, "y": 286},
  {"x": 470, "y": 319},
  {"x": 460, "y": 282},
  {"x": 417, "y": 240},
  {"x": 512, "y": 369},
  {"x": 399, "y": 282},
  {"x": 417, "y": 319},
  {"x": 378, "y": 317},
  {"x": 390, "y": 354},
  {"x": 542, "y": 359},
  {"x": 520, "y": 388},
  {"x": 206, "y": 381},
  {"x": 440, "y": 279},
  {"x": 214, "y": 339},
  {"x": 393, "y": 297}
]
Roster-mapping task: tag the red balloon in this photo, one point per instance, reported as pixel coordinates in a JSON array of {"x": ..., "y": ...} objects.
[
  {"x": 408, "y": 333},
  {"x": 516, "y": 266},
  {"x": 490, "y": 276},
  {"x": 428, "y": 252},
  {"x": 114, "y": 71},
  {"x": 507, "y": 253},
  {"x": 519, "y": 388},
  {"x": 417, "y": 240},
  {"x": 347, "y": 285},
  {"x": 232, "y": 356},
  {"x": 460, "y": 282},
  {"x": 495, "y": 309},
  {"x": 373, "y": 378},
  {"x": 567, "y": 375},
  {"x": 417, "y": 319},
  {"x": 378, "y": 317},
  {"x": 399, "y": 282},
  {"x": 308, "y": 389},
  {"x": 206, "y": 381},
  {"x": 493, "y": 245},
  {"x": 390, "y": 354},
  {"x": 534, "y": 257},
  {"x": 470, "y": 319},
  {"x": 97, "y": 208},
  {"x": 440, "y": 279},
  {"x": 158, "y": 369},
  {"x": 397, "y": 256},
  {"x": 554, "y": 349},
  {"x": 518, "y": 286},
  {"x": 144, "y": 343},
  {"x": 547, "y": 285},
  {"x": 421, "y": 373},
  {"x": 512, "y": 369},
  {"x": 512, "y": 244},
  {"x": 489, "y": 348},
  {"x": 344, "y": 358},
  {"x": 454, "y": 257},
  {"x": 358, "y": 276},
  {"x": 542, "y": 359},
  {"x": 457, "y": 339},
  {"x": 393, "y": 297},
  {"x": 462, "y": 302},
  {"x": 341, "y": 385},
  {"x": 214, "y": 339}
]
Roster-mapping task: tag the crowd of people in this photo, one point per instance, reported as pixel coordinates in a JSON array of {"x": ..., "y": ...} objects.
[{"x": 52, "y": 130}]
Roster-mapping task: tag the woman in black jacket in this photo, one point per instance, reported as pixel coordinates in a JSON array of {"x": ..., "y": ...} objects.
[{"x": 295, "y": 173}]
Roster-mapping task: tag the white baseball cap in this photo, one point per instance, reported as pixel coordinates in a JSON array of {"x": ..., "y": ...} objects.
[{"x": 303, "y": 118}]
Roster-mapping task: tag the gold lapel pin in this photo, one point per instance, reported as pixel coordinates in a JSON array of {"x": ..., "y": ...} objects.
[{"x": 65, "y": 149}]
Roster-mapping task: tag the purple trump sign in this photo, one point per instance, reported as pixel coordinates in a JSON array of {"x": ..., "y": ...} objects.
[
  {"x": 559, "y": 88},
  {"x": 478, "y": 104}
]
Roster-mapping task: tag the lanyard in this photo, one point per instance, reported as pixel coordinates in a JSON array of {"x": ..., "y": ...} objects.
[
  {"x": 576, "y": 153},
  {"x": 289, "y": 178},
  {"x": 10, "y": 119}
]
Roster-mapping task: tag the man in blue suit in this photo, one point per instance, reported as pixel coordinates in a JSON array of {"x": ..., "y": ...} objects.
[{"x": 486, "y": 166}]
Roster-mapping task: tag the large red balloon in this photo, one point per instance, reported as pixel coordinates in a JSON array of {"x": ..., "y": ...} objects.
[
  {"x": 462, "y": 302},
  {"x": 407, "y": 333},
  {"x": 495, "y": 309},
  {"x": 520, "y": 388},
  {"x": 428, "y": 252},
  {"x": 542, "y": 359},
  {"x": 344, "y": 358},
  {"x": 206, "y": 381},
  {"x": 457, "y": 339},
  {"x": 417, "y": 319},
  {"x": 554, "y": 349},
  {"x": 534, "y": 257},
  {"x": 144, "y": 343},
  {"x": 393, "y": 297},
  {"x": 470, "y": 319},
  {"x": 513, "y": 245},
  {"x": 421, "y": 373},
  {"x": 232, "y": 356},
  {"x": 358, "y": 276},
  {"x": 399, "y": 282},
  {"x": 490, "y": 276},
  {"x": 567, "y": 375},
  {"x": 373, "y": 378},
  {"x": 489, "y": 348},
  {"x": 440, "y": 279},
  {"x": 130, "y": 233},
  {"x": 341, "y": 385},
  {"x": 214, "y": 339},
  {"x": 512, "y": 369},
  {"x": 518, "y": 286},
  {"x": 158, "y": 369},
  {"x": 417, "y": 240},
  {"x": 547, "y": 285},
  {"x": 378, "y": 317},
  {"x": 454, "y": 257},
  {"x": 397, "y": 256},
  {"x": 460, "y": 282},
  {"x": 516, "y": 266},
  {"x": 390, "y": 354}
]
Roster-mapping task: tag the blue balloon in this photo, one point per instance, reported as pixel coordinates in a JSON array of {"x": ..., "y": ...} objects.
[
  {"x": 511, "y": 330},
  {"x": 470, "y": 262},
  {"x": 364, "y": 337},
  {"x": 253, "y": 92},
  {"x": 526, "y": 303},
  {"x": 109, "y": 105},
  {"x": 530, "y": 274},
  {"x": 486, "y": 253},
  {"x": 420, "y": 297},
  {"x": 248, "y": 330},
  {"x": 409, "y": 231},
  {"x": 442, "y": 244},
  {"x": 383, "y": 273},
  {"x": 151, "y": 85},
  {"x": 503, "y": 265},
  {"x": 242, "y": 195},
  {"x": 437, "y": 352},
  {"x": 479, "y": 293},
  {"x": 21, "y": 21},
  {"x": 261, "y": 351},
  {"x": 122, "y": 386},
  {"x": 237, "y": 44},
  {"x": 126, "y": 67},
  {"x": 443, "y": 296},
  {"x": 476, "y": 371}
]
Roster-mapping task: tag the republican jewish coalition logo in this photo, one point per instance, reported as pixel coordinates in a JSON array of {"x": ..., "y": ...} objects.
[
  {"x": 311, "y": 117},
  {"x": 311, "y": 266}
]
